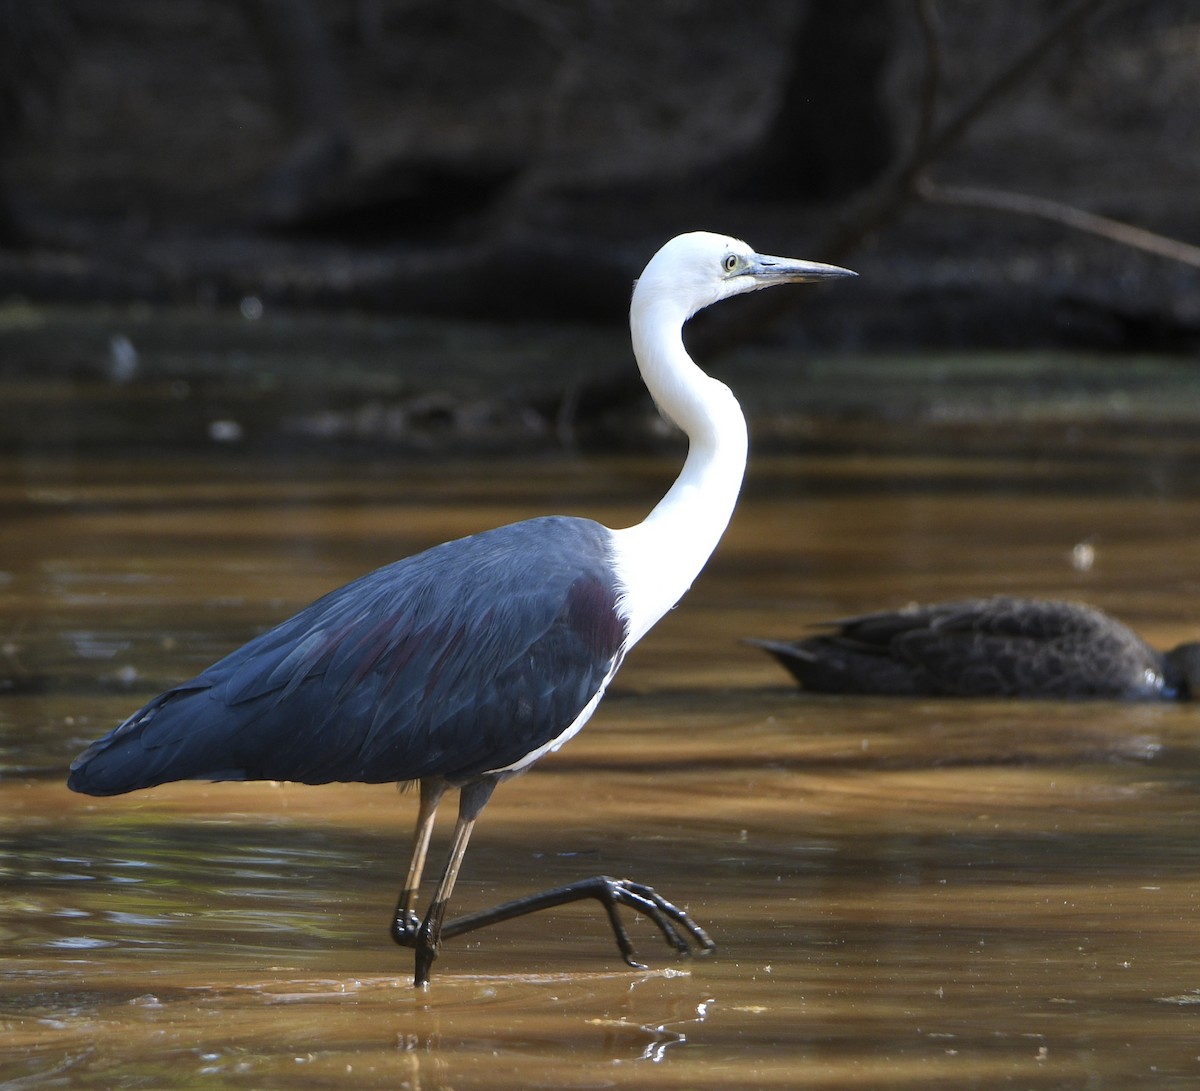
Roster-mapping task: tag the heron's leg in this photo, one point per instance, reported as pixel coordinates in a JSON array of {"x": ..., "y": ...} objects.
[
  {"x": 471, "y": 801},
  {"x": 678, "y": 929},
  {"x": 406, "y": 922}
]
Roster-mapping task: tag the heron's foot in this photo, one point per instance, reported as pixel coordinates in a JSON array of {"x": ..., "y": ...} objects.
[
  {"x": 677, "y": 928},
  {"x": 422, "y": 936},
  {"x": 428, "y": 942},
  {"x": 411, "y": 931},
  {"x": 427, "y": 950},
  {"x": 405, "y": 926}
]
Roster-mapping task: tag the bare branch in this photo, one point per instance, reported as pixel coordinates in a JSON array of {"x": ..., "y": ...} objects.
[
  {"x": 931, "y": 77},
  {"x": 895, "y": 190},
  {"x": 1077, "y": 218}
]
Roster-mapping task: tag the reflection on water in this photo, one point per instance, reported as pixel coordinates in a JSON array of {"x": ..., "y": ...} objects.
[{"x": 903, "y": 893}]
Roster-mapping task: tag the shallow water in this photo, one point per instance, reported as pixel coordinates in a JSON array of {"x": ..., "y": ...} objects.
[{"x": 903, "y": 893}]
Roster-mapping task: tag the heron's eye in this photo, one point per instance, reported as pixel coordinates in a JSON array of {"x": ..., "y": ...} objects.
[{"x": 731, "y": 263}]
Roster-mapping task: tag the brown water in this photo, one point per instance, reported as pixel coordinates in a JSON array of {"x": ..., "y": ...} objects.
[{"x": 903, "y": 893}]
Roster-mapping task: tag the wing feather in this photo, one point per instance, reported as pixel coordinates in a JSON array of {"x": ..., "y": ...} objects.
[{"x": 452, "y": 662}]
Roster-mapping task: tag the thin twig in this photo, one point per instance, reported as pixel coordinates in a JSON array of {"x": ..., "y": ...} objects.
[
  {"x": 1045, "y": 209},
  {"x": 931, "y": 77},
  {"x": 1008, "y": 77},
  {"x": 896, "y": 189}
]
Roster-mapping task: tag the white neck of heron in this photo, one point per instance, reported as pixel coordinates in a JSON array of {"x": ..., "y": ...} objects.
[{"x": 657, "y": 559}]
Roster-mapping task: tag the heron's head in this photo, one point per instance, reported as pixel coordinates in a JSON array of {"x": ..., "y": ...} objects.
[{"x": 695, "y": 270}]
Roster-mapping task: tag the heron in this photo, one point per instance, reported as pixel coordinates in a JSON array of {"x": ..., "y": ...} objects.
[
  {"x": 1002, "y": 646},
  {"x": 459, "y": 667}
]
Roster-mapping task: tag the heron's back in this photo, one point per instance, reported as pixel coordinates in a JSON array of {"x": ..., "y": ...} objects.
[{"x": 457, "y": 661}]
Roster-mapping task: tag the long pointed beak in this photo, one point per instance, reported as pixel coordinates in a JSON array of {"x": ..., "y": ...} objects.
[{"x": 771, "y": 270}]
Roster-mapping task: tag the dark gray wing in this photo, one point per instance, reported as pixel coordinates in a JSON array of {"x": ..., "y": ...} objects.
[{"x": 453, "y": 662}]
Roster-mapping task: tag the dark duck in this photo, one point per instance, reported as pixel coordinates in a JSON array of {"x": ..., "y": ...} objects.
[{"x": 990, "y": 647}]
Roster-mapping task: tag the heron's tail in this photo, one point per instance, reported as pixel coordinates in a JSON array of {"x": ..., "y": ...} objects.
[{"x": 133, "y": 756}]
